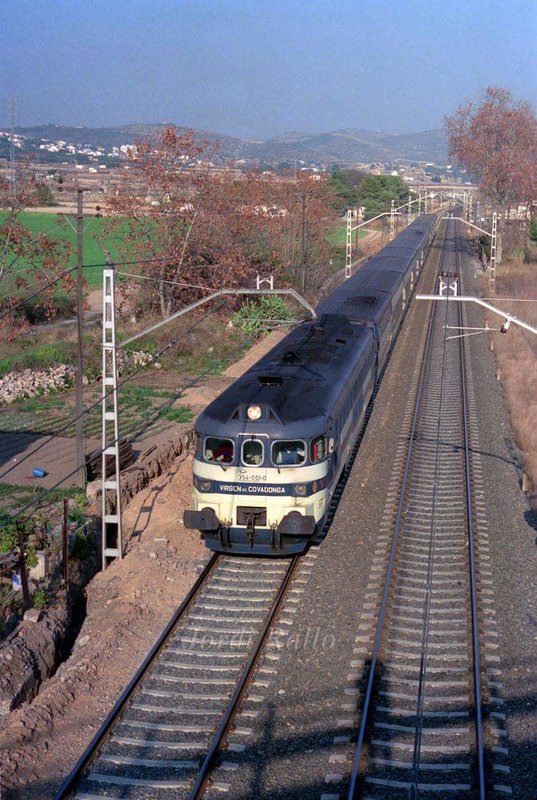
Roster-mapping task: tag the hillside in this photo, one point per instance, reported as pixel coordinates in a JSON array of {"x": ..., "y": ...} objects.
[{"x": 349, "y": 146}]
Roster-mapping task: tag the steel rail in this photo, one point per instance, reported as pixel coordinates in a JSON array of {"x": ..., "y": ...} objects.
[
  {"x": 416, "y": 754},
  {"x": 70, "y": 783},
  {"x": 235, "y": 699},
  {"x": 387, "y": 584},
  {"x": 473, "y": 581}
]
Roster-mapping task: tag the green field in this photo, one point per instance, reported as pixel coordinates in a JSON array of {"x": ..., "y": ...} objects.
[
  {"x": 57, "y": 227},
  {"x": 96, "y": 239},
  {"x": 338, "y": 236}
]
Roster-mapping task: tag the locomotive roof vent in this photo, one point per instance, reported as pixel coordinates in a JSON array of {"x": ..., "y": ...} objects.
[
  {"x": 270, "y": 380},
  {"x": 290, "y": 358},
  {"x": 318, "y": 331},
  {"x": 363, "y": 299}
]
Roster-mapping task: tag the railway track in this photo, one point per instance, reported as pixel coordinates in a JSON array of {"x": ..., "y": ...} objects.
[
  {"x": 421, "y": 726},
  {"x": 164, "y": 734}
]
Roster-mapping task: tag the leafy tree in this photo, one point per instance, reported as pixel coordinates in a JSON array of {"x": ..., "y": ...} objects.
[
  {"x": 376, "y": 193},
  {"x": 496, "y": 141},
  {"x": 44, "y": 195},
  {"x": 344, "y": 183},
  {"x": 306, "y": 253}
]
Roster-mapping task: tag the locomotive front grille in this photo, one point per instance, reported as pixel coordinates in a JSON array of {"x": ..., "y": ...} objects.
[{"x": 248, "y": 514}]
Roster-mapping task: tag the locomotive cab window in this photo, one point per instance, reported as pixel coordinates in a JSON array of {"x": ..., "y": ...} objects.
[
  {"x": 288, "y": 453},
  {"x": 217, "y": 449},
  {"x": 318, "y": 449},
  {"x": 252, "y": 452}
]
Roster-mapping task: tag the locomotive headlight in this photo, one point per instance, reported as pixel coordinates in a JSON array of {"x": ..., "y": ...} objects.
[
  {"x": 254, "y": 412},
  {"x": 300, "y": 489},
  {"x": 205, "y": 486}
]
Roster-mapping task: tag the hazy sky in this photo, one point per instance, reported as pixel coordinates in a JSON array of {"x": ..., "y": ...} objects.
[{"x": 257, "y": 68}]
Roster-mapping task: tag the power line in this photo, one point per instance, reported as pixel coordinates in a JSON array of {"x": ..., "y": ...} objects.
[
  {"x": 162, "y": 280},
  {"x": 37, "y": 238},
  {"x": 36, "y": 294},
  {"x": 173, "y": 343},
  {"x": 92, "y": 266}
]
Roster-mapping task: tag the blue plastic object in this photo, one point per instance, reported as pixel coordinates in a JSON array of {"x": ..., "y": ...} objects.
[{"x": 39, "y": 473}]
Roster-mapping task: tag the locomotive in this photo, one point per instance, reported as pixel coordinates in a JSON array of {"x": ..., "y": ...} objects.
[{"x": 271, "y": 448}]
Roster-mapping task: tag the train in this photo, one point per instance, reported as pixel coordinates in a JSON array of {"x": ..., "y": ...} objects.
[{"x": 270, "y": 450}]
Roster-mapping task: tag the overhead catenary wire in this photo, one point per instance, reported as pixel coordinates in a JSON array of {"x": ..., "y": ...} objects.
[{"x": 163, "y": 280}]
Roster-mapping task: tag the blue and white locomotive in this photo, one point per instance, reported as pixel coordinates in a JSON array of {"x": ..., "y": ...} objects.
[{"x": 270, "y": 449}]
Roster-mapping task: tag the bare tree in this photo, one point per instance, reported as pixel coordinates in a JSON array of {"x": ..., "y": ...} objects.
[
  {"x": 26, "y": 259},
  {"x": 496, "y": 141},
  {"x": 196, "y": 226}
]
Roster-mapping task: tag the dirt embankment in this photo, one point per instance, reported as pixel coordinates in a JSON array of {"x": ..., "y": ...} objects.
[
  {"x": 127, "y": 607},
  {"x": 516, "y": 358}
]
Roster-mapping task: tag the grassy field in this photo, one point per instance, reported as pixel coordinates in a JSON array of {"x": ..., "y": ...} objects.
[
  {"x": 96, "y": 240},
  {"x": 57, "y": 228},
  {"x": 339, "y": 236}
]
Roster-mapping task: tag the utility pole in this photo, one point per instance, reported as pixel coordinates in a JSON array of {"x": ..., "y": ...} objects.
[
  {"x": 392, "y": 221},
  {"x": 112, "y": 538},
  {"x": 348, "y": 251},
  {"x": 303, "y": 245},
  {"x": 493, "y": 252},
  {"x": 81, "y": 477}
]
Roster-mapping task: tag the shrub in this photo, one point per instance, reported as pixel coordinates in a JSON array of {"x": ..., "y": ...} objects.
[
  {"x": 8, "y": 540},
  {"x": 77, "y": 516},
  {"x": 533, "y": 229},
  {"x": 40, "y": 599},
  {"x": 8, "y": 533},
  {"x": 31, "y": 557},
  {"x": 82, "y": 546},
  {"x": 254, "y": 314}
]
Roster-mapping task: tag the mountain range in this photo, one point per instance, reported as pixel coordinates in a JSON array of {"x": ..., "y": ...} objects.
[{"x": 341, "y": 147}]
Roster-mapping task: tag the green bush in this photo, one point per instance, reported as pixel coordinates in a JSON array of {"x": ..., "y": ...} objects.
[
  {"x": 8, "y": 532},
  {"x": 40, "y": 599},
  {"x": 533, "y": 229},
  {"x": 8, "y": 540},
  {"x": 31, "y": 557},
  {"x": 82, "y": 546},
  {"x": 253, "y": 315},
  {"x": 39, "y": 356},
  {"x": 77, "y": 515}
]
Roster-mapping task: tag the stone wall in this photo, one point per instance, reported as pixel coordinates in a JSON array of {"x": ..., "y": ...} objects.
[{"x": 31, "y": 382}]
